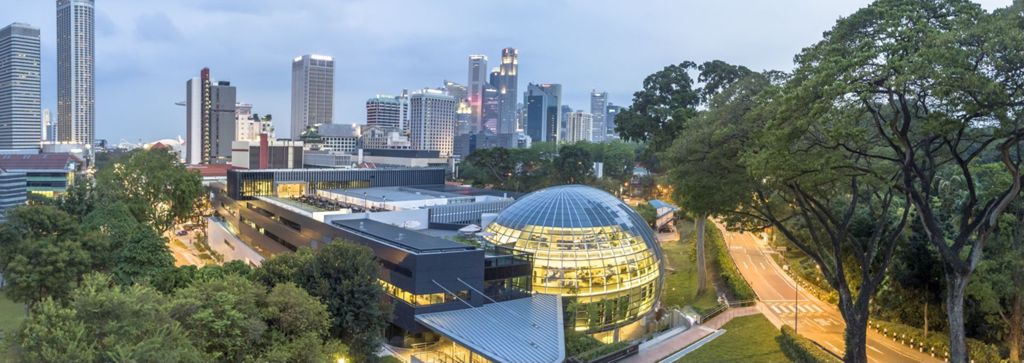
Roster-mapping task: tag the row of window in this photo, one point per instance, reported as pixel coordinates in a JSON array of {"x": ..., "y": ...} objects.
[{"x": 422, "y": 299}]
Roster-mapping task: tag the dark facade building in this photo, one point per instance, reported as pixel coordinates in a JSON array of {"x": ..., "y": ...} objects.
[
  {"x": 420, "y": 274},
  {"x": 543, "y": 112}
]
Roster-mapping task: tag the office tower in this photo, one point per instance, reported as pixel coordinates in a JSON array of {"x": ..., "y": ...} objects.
[
  {"x": 580, "y": 127},
  {"x": 76, "y": 71},
  {"x": 543, "y": 111},
  {"x": 476, "y": 85},
  {"x": 13, "y": 191},
  {"x": 209, "y": 120},
  {"x": 432, "y": 120},
  {"x": 598, "y": 110},
  {"x": 312, "y": 92},
  {"x": 20, "y": 88},
  {"x": 612, "y": 111},
  {"x": 49, "y": 127},
  {"x": 508, "y": 90},
  {"x": 383, "y": 110},
  {"x": 492, "y": 111}
]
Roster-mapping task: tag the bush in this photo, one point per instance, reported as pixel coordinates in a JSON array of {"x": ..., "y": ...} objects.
[
  {"x": 731, "y": 278},
  {"x": 601, "y": 351},
  {"x": 800, "y": 349},
  {"x": 936, "y": 342},
  {"x": 577, "y": 343}
]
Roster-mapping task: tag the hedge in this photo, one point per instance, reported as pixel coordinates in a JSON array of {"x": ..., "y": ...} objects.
[
  {"x": 936, "y": 343},
  {"x": 602, "y": 351},
  {"x": 731, "y": 278},
  {"x": 800, "y": 349}
]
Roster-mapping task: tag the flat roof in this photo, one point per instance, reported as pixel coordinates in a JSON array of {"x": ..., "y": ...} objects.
[
  {"x": 399, "y": 237},
  {"x": 521, "y": 330},
  {"x": 393, "y": 194}
]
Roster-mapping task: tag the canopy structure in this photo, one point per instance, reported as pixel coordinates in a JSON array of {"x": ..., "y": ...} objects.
[{"x": 521, "y": 330}]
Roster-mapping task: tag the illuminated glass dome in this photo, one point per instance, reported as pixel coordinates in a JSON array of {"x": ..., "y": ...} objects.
[{"x": 589, "y": 247}]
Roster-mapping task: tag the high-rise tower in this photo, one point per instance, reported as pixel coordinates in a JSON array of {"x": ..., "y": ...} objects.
[
  {"x": 19, "y": 87},
  {"x": 432, "y": 120},
  {"x": 76, "y": 71},
  {"x": 598, "y": 112},
  {"x": 543, "y": 111},
  {"x": 312, "y": 92},
  {"x": 477, "y": 83},
  {"x": 508, "y": 90}
]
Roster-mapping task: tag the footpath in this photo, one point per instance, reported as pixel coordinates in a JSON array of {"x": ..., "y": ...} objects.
[{"x": 668, "y": 344}]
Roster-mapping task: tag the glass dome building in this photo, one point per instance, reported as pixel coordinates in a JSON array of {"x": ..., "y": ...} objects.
[{"x": 590, "y": 248}]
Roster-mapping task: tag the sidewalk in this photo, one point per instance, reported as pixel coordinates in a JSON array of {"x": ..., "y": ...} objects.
[{"x": 664, "y": 348}]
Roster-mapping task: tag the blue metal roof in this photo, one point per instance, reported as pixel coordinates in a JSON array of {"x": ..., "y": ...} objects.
[{"x": 515, "y": 331}]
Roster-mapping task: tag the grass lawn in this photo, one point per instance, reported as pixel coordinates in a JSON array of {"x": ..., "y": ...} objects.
[
  {"x": 746, "y": 339},
  {"x": 681, "y": 273},
  {"x": 11, "y": 314}
]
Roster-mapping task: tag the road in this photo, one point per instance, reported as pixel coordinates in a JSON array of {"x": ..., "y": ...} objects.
[{"x": 818, "y": 321}]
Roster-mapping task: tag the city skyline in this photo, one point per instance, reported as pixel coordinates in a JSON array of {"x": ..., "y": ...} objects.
[{"x": 156, "y": 46}]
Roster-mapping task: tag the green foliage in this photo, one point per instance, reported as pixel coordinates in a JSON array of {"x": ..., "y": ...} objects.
[
  {"x": 155, "y": 186},
  {"x": 137, "y": 253},
  {"x": 601, "y": 351},
  {"x": 732, "y": 280},
  {"x": 800, "y": 349},
  {"x": 343, "y": 275},
  {"x": 103, "y": 322},
  {"x": 648, "y": 213},
  {"x": 935, "y": 342},
  {"x": 577, "y": 343},
  {"x": 526, "y": 170},
  {"x": 44, "y": 253},
  {"x": 573, "y": 165},
  {"x": 222, "y": 316}
]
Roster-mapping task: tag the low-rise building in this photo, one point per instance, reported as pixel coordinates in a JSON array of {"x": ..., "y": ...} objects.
[
  {"x": 13, "y": 191},
  {"x": 267, "y": 154},
  {"x": 45, "y": 174}
]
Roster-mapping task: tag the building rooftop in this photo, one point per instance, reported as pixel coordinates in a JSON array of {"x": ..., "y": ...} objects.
[
  {"x": 399, "y": 237},
  {"x": 393, "y": 194},
  {"x": 520, "y": 330},
  {"x": 44, "y": 161}
]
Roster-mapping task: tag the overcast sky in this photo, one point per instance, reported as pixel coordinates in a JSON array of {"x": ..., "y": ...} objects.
[{"x": 146, "y": 50}]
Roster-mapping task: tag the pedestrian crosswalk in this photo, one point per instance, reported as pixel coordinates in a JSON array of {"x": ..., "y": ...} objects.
[{"x": 790, "y": 308}]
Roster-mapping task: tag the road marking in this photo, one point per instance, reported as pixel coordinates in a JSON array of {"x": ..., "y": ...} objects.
[
  {"x": 874, "y": 349},
  {"x": 763, "y": 267},
  {"x": 834, "y": 348},
  {"x": 745, "y": 266}
]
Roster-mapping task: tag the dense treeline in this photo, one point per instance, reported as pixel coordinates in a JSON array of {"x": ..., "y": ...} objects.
[
  {"x": 890, "y": 156},
  {"x": 546, "y": 164},
  {"x": 100, "y": 284}
]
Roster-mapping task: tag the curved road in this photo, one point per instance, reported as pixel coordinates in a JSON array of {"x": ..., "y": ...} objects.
[{"x": 818, "y": 321}]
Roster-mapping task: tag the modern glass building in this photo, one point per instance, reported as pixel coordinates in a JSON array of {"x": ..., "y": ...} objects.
[
  {"x": 543, "y": 116},
  {"x": 590, "y": 248}
]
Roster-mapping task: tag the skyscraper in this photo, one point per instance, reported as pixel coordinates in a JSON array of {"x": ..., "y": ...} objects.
[
  {"x": 76, "y": 71},
  {"x": 432, "y": 120},
  {"x": 209, "y": 120},
  {"x": 543, "y": 111},
  {"x": 508, "y": 90},
  {"x": 312, "y": 92},
  {"x": 612, "y": 111},
  {"x": 49, "y": 127},
  {"x": 20, "y": 89},
  {"x": 598, "y": 110},
  {"x": 491, "y": 109},
  {"x": 388, "y": 111},
  {"x": 580, "y": 127},
  {"x": 477, "y": 81}
]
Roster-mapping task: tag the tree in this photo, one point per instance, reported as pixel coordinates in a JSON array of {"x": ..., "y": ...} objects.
[
  {"x": 343, "y": 275},
  {"x": 939, "y": 81},
  {"x": 573, "y": 165},
  {"x": 156, "y": 187},
  {"x": 80, "y": 199},
  {"x": 668, "y": 98},
  {"x": 489, "y": 167},
  {"x": 743, "y": 158},
  {"x": 136, "y": 252},
  {"x": 222, "y": 317},
  {"x": 648, "y": 213},
  {"x": 1003, "y": 307},
  {"x": 103, "y": 322},
  {"x": 44, "y": 253},
  {"x": 706, "y": 172}
]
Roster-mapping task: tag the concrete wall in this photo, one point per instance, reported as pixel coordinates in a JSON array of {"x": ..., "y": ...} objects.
[{"x": 225, "y": 243}]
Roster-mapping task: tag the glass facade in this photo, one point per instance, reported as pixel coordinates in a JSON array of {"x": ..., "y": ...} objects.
[{"x": 589, "y": 247}]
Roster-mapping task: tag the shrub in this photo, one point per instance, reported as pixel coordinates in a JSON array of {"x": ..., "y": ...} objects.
[
  {"x": 800, "y": 349},
  {"x": 936, "y": 342},
  {"x": 731, "y": 278},
  {"x": 601, "y": 351},
  {"x": 578, "y": 343}
]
